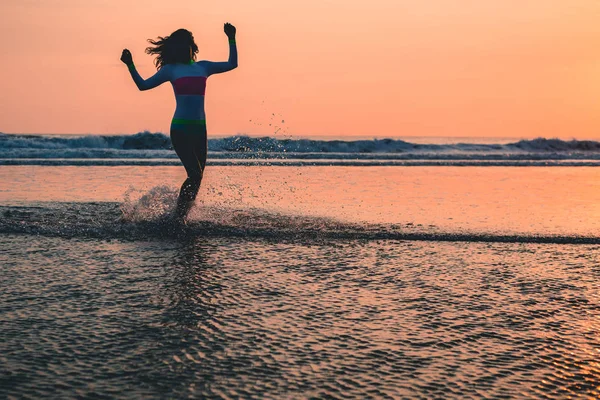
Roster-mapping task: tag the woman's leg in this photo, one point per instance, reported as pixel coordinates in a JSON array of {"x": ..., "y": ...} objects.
[
  {"x": 201, "y": 147},
  {"x": 190, "y": 144}
]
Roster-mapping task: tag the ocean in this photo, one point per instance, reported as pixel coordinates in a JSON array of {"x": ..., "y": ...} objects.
[{"x": 309, "y": 268}]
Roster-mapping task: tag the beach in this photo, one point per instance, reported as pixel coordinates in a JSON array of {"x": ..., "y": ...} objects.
[
  {"x": 299, "y": 200},
  {"x": 300, "y": 282}
]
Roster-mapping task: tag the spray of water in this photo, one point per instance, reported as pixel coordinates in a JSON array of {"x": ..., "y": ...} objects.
[{"x": 159, "y": 202}]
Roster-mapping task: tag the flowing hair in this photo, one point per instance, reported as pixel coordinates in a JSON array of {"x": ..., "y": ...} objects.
[{"x": 173, "y": 49}]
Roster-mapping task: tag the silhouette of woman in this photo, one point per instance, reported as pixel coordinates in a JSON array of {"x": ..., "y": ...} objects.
[{"x": 175, "y": 61}]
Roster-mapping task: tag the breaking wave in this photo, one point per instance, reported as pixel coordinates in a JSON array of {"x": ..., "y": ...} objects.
[{"x": 146, "y": 148}]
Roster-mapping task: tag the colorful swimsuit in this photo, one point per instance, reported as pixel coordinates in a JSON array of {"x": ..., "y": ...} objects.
[{"x": 188, "y": 86}]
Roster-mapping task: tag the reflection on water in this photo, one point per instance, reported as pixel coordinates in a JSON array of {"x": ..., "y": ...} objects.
[
  {"x": 230, "y": 317},
  {"x": 189, "y": 288}
]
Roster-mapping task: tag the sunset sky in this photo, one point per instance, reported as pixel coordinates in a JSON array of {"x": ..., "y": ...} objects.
[{"x": 500, "y": 68}]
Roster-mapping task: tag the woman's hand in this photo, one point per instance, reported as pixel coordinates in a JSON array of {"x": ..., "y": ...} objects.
[
  {"x": 229, "y": 30},
  {"x": 126, "y": 57}
]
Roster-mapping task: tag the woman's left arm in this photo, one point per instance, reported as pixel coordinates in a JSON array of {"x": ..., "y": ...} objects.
[{"x": 144, "y": 84}]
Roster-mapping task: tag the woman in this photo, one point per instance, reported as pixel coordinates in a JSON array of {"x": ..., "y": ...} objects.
[{"x": 175, "y": 61}]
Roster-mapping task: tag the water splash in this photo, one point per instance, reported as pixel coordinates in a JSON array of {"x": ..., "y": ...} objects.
[{"x": 158, "y": 203}]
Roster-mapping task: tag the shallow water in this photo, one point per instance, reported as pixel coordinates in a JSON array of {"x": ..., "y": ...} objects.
[
  {"x": 508, "y": 200},
  {"x": 300, "y": 283}
]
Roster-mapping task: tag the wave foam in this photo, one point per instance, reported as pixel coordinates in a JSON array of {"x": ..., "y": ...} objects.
[{"x": 148, "y": 217}]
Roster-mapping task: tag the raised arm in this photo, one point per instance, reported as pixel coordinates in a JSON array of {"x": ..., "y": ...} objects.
[
  {"x": 144, "y": 84},
  {"x": 232, "y": 62}
]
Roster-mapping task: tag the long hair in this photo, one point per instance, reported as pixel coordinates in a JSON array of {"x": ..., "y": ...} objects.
[{"x": 173, "y": 49}]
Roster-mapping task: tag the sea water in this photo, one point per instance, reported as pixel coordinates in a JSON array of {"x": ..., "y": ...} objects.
[{"x": 300, "y": 277}]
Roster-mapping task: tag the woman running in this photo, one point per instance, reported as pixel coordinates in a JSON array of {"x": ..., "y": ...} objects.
[{"x": 176, "y": 63}]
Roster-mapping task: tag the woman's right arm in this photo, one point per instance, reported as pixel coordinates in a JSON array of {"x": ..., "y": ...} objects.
[
  {"x": 224, "y": 66},
  {"x": 144, "y": 84}
]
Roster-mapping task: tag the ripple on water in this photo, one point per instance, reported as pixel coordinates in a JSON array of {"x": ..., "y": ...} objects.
[{"x": 230, "y": 317}]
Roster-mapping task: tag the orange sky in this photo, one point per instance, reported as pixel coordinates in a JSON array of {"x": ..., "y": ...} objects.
[{"x": 327, "y": 67}]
